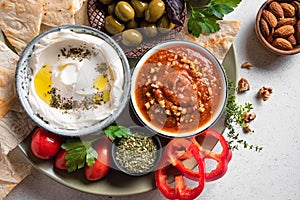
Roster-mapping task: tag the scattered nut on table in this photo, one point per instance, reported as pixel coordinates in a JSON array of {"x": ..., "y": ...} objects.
[
  {"x": 265, "y": 92},
  {"x": 243, "y": 85},
  {"x": 248, "y": 117},
  {"x": 247, "y": 128},
  {"x": 247, "y": 65}
]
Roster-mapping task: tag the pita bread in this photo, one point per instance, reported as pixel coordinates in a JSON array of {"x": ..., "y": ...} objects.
[
  {"x": 58, "y": 12},
  {"x": 20, "y": 21},
  {"x": 81, "y": 16},
  {"x": 78, "y": 5},
  {"x": 8, "y": 62},
  {"x": 13, "y": 169},
  {"x": 219, "y": 42},
  {"x": 14, "y": 127}
]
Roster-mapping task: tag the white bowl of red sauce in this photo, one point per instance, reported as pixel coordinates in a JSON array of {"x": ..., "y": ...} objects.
[{"x": 178, "y": 89}]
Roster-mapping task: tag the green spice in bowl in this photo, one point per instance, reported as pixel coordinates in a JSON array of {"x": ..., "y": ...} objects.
[{"x": 137, "y": 154}]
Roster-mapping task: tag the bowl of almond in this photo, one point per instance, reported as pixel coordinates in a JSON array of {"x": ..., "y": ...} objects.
[{"x": 278, "y": 26}]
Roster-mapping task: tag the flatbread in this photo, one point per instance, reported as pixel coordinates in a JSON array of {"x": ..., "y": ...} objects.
[
  {"x": 8, "y": 62},
  {"x": 13, "y": 169},
  {"x": 58, "y": 12},
  {"x": 20, "y": 21},
  {"x": 78, "y": 5},
  {"x": 81, "y": 16},
  {"x": 219, "y": 42},
  {"x": 14, "y": 128}
]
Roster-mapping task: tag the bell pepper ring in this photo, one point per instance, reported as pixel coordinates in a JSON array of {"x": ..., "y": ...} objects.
[
  {"x": 180, "y": 190},
  {"x": 222, "y": 158}
]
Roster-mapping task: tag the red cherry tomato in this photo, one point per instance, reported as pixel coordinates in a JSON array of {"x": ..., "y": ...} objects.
[
  {"x": 101, "y": 166},
  {"x": 44, "y": 144},
  {"x": 60, "y": 161}
]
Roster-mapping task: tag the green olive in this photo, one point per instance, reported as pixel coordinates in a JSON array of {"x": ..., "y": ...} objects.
[
  {"x": 165, "y": 25},
  {"x": 124, "y": 11},
  {"x": 155, "y": 10},
  {"x": 139, "y": 7},
  {"x": 111, "y": 8},
  {"x": 132, "y": 24},
  {"x": 149, "y": 29},
  {"x": 131, "y": 37},
  {"x": 113, "y": 26},
  {"x": 106, "y": 2}
]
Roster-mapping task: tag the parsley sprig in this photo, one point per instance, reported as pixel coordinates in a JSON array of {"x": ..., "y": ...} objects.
[
  {"x": 81, "y": 152},
  {"x": 204, "y": 18},
  {"x": 78, "y": 153},
  {"x": 234, "y": 115},
  {"x": 117, "y": 131}
]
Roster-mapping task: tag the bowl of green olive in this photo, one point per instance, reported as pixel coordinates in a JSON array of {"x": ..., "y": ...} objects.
[{"x": 138, "y": 25}]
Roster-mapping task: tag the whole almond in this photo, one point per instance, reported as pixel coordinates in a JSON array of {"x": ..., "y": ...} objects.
[
  {"x": 297, "y": 31},
  {"x": 264, "y": 28},
  {"x": 296, "y": 4},
  {"x": 283, "y": 44},
  {"x": 276, "y": 9},
  {"x": 270, "y": 36},
  {"x": 286, "y": 21},
  {"x": 284, "y": 31},
  {"x": 270, "y": 18},
  {"x": 292, "y": 40},
  {"x": 288, "y": 9}
]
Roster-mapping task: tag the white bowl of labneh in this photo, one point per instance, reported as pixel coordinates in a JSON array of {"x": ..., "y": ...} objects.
[
  {"x": 73, "y": 80},
  {"x": 178, "y": 89}
]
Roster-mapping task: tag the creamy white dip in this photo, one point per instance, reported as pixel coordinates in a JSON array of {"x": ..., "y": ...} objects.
[{"x": 75, "y": 60}]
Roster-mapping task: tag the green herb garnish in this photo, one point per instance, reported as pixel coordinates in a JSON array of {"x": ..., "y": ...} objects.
[
  {"x": 204, "y": 18},
  {"x": 113, "y": 132},
  {"x": 79, "y": 153},
  {"x": 234, "y": 115}
]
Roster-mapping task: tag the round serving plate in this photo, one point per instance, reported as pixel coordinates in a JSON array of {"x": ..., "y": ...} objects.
[{"x": 117, "y": 183}]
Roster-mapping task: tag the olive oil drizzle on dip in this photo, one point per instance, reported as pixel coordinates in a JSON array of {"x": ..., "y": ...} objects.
[
  {"x": 77, "y": 79},
  {"x": 178, "y": 89}
]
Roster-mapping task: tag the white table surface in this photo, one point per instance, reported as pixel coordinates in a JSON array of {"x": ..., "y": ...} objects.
[{"x": 272, "y": 174}]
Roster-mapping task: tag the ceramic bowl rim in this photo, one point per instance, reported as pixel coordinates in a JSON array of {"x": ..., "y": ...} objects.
[
  {"x": 143, "y": 59},
  {"x": 23, "y": 90}
]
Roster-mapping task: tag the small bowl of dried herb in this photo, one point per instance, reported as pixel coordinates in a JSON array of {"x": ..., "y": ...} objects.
[{"x": 137, "y": 154}]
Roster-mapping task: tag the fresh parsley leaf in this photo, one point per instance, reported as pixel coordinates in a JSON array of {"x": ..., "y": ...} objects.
[
  {"x": 78, "y": 153},
  {"x": 205, "y": 18},
  {"x": 113, "y": 132}
]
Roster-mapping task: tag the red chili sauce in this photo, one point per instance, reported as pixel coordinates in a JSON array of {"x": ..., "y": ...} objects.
[{"x": 178, "y": 89}]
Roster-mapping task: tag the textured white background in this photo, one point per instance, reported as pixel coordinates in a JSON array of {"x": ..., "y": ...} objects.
[{"x": 272, "y": 174}]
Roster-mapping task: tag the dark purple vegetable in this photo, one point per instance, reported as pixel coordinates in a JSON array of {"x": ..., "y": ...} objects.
[{"x": 174, "y": 9}]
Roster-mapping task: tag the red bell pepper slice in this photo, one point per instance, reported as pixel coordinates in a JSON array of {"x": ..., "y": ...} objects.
[
  {"x": 222, "y": 158},
  {"x": 180, "y": 190}
]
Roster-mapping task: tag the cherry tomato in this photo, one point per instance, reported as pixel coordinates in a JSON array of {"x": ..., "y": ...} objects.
[
  {"x": 60, "y": 161},
  {"x": 101, "y": 166},
  {"x": 45, "y": 145}
]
